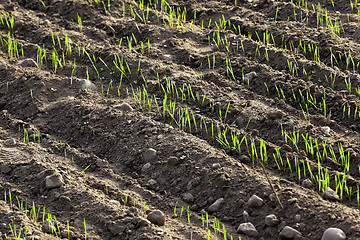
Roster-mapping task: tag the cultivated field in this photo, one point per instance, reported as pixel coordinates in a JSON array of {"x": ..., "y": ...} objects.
[{"x": 112, "y": 111}]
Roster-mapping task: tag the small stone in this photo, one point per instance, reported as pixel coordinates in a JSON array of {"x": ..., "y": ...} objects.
[
  {"x": 86, "y": 84},
  {"x": 307, "y": 183},
  {"x": 29, "y": 62},
  {"x": 10, "y": 142},
  {"x": 289, "y": 233},
  {"x": 53, "y": 181},
  {"x": 187, "y": 197},
  {"x": 125, "y": 107},
  {"x": 145, "y": 168},
  {"x": 216, "y": 165},
  {"x": 244, "y": 159},
  {"x": 271, "y": 220},
  {"x": 255, "y": 201},
  {"x": 333, "y": 234},
  {"x": 167, "y": 57},
  {"x": 297, "y": 218},
  {"x": 330, "y": 194},
  {"x": 246, "y": 216},
  {"x": 194, "y": 207},
  {"x": 152, "y": 184},
  {"x": 216, "y": 205},
  {"x": 142, "y": 222},
  {"x": 114, "y": 202},
  {"x": 149, "y": 155},
  {"x": 292, "y": 200},
  {"x": 326, "y": 129},
  {"x": 173, "y": 161},
  {"x": 249, "y": 76},
  {"x": 248, "y": 229},
  {"x": 276, "y": 114},
  {"x": 157, "y": 217},
  {"x": 272, "y": 197}
]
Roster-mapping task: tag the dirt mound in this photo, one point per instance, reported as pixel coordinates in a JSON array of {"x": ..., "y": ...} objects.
[{"x": 179, "y": 119}]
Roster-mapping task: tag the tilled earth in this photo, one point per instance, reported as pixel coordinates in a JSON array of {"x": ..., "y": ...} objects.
[{"x": 112, "y": 111}]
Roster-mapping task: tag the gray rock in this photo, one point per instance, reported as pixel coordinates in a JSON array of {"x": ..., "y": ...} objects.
[
  {"x": 53, "y": 181},
  {"x": 248, "y": 229},
  {"x": 10, "y": 142},
  {"x": 149, "y": 155},
  {"x": 87, "y": 84},
  {"x": 249, "y": 76},
  {"x": 29, "y": 62},
  {"x": 173, "y": 161},
  {"x": 289, "y": 233},
  {"x": 125, "y": 107},
  {"x": 307, "y": 183},
  {"x": 255, "y": 201},
  {"x": 246, "y": 216},
  {"x": 187, "y": 197},
  {"x": 152, "y": 184},
  {"x": 330, "y": 194},
  {"x": 216, "y": 165},
  {"x": 271, "y": 220},
  {"x": 244, "y": 159},
  {"x": 297, "y": 218},
  {"x": 157, "y": 217},
  {"x": 145, "y": 168},
  {"x": 216, "y": 205},
  {"x": 142, "y": 222},
  {"x": 276, "y": 114},
  {"x": 333, "y": 234}
]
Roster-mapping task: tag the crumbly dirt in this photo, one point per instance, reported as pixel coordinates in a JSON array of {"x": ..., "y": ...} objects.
[{"x": 230, "y": 68}]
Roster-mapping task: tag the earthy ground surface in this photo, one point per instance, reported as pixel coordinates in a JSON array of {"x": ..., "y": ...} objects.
[{"x": 128, "y": 107}]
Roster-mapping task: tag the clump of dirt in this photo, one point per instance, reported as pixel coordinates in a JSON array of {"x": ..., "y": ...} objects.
[{"x": 153, "y": 119}]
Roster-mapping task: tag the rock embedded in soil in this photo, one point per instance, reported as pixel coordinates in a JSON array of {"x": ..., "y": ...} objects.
[
  {"x": 248, "y": 229},
  {"x": 142, "y": 222},
  {"x": 53, "y": 181},
  {"x": 173, "y": 161},
  {"x": 152, "y": 184},
  {"x": 289, "y": 233},
  {"x": 255, "y": 201},
  {"x": 157, "y": 217},
  {"x": 271, "y": 220},
  {"x": 245, "y": 159},
  {"x": 29, "y": 62},
  {"x": 330, "y": 194},
  {"x": 216, "y": 205},
  {"x": 249, "y": 77},
  {"x": 145, "y": 168},
  {"x": 10, "y": 142},
  {"x": 87, "y": 84},
  {"x": 187, "y": 197},
  {"x": 149, "y": 155},
  {"x": 297, "y": 218},
  {"x": 333, "y": 234},
  {"x": 307, "y": 183},
  {"x": 125, "y": 107},
  {"x": 276, "y": 114}
]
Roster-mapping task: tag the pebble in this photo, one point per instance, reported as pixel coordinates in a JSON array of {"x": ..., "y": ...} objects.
[
  {"x": 187, "y": 197},
  {"x": 173, "y": 161},
  {"x": 326, "y": 129},
  {"x": 333, "y": 234},
  {"x": 152, "y": 184},
  {"x": 142, "y": 222},
  {"x": 149, "y": 155},
  {"x": 167, "y": 57},
  {"x": 53, "y": 181},
  {"x": 216, "y": 205},
  {"x": 244, "y": 159},
  {"x": 246, "y": 216},
  {"x": 255, "y": 201},
  {"x": 249, "y": 76},
  {"x": 48, "y": 228},
  {"x": 271, "y": 220},
  {"x": 9, "y": 142},
  {"x": 216, "y": 165},
  {"x": 248, "y": 229},
  {"x": 86, "y": 84},
  {"x": 125, "y": 107},
  {"x": 307, "y": 183},
  {"x": 297, "y": 218},
  {"x": 276, "y": 114},
  {"x": 289, "y": 233},
  {"x": 29, "y": 62},
  {"x": 157, "y": 217},
  {"x": 330, "y": 194},
  {"x": 145, "y": 168}
]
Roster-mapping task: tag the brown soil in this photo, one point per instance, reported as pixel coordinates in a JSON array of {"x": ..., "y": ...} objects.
[{"x": 252, "y": 89}]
